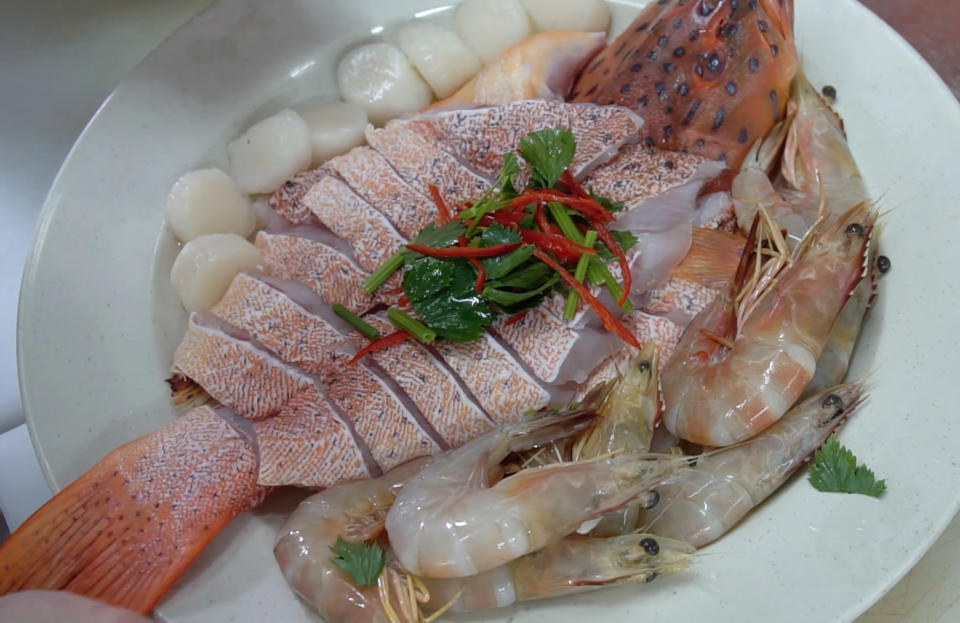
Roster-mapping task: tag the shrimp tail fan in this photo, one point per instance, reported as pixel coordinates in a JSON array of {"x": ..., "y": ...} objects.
[{"x": 124, "y": 531}]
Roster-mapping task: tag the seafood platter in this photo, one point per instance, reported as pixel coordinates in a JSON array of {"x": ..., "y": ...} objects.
[{"x": 509, "y": 309}]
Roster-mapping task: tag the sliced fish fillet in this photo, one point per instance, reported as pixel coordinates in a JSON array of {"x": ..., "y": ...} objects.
[
  {"x": 373, "y": 178},
  {"x": 552, "y": 350},
  {"x": 235, "y": 372},
  {"x": 639, "y": 172},
  {"x": 500, "y": 384},
  {"x": 432, "y": 387},
  {"x": 287, "y": 200},
  {"x": 371, "y": 236},
  {"x": 325, "y": 270},
  {"x": 422, "y": 163},
  {"x": 308, "y": 444}
]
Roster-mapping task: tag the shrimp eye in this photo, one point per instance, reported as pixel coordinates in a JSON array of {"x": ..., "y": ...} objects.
[
  {"x": 883, "y": 264},
  {"x": 644, "y": 366},
  {"x": 650, "y": 546},
  {"x": 653, "y": 498},
  {"x": 855, "y": 229},
  {"x": 832, "y": 400}
]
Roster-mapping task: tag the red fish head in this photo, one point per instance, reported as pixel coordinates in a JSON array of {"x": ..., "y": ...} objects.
[{"x": 709, "y": 77}]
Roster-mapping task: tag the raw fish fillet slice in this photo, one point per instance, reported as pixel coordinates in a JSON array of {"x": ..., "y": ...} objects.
[
  {"x": 371, "y": 236},
  {"x": 125, "y": 530},
  {"x": 502, "y": 386},
  {"x": 553, "y": 351},
  {"x": 433, "y": 388},
  {"x": 420, "y": 161},
  {"x": 277, "y": 321},
  {"x": 394, "y": 431},
  {"x": 307, "y": 444},
  {"x": 235, "y": 372},
  {"x": 325, "y": 270},
  {"x": 287, "y": 200},
  {"x": 479, "y": 137},
  {"x": 373, "y": 178},
  {"x": 664, "y": 332},
  {"x": 639, "y": 172}
]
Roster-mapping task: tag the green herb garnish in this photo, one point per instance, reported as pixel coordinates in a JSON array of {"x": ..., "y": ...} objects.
[
  {"x": 363, "y": 561},
  {"x": 834, "y": 469},
  {"x": 355, "y": 321},
  {"x": 548, "y": 152}
]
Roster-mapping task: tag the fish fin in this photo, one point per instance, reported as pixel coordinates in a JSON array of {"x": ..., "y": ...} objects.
[
  {"x": 124, "y": 531},
  {"x": 713, "y": 258}
]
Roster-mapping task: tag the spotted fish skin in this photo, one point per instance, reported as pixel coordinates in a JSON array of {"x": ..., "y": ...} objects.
[{"x": 709, "y": 77}]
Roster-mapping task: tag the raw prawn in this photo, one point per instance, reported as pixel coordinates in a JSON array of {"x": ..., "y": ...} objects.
[
  {"x": 452, "y": 521},
  {"x": 725, "y": 485},
  {"x": 736, "y": 372},
  {"x": 356, "y": 511}
]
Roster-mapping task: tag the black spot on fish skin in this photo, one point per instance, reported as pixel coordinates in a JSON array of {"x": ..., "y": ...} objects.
[
  {"x": 742, "y": 137},
  {"x": 668, "y": 110},
  {"x": 699, "y": 69},
  {"x": 683, "y": 89},
  {"x": 731, "y": 30},
  {"x": 636, "y": 67},
  {"x": 642, "y": 101},
  {"x": 718, "y": 119},
  {"x": 692, "y": 112},
  {"x": 734, "y": 5},
  {"x": 714, "y": 63},
  {"x": 652, "y": 55},
  {"x": 752, "y": 5},
  {"x": 667, "y": 131},
  {"x": 662, "y": 41},
  {"x": 694, "y": 35},
  {"x": 679, "y": 52},
  {"x": 661, "y": 90},
  {"x": 625, "y": 88},
  {"x": 762, "y": 25},
  {"x": 776, "y": 106},
  {"x": 641, "y": 27},
  {"x": 648, "y": 142},
  {"x": 669, "y": 67},
  {"x": 753, "y": 64},
  {"x": 700, "y": 143},
  {"x": 731, "y": 88},
  {"x": 774, "y": 49},
  {"x": 677, "y": 23}
]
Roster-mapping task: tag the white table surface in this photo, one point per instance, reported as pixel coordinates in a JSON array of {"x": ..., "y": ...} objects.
[{"x": 59, "y": 59}]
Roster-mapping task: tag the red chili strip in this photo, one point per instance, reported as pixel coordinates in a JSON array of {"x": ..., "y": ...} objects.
[
  {"x": 541, "y": 219},
  {"x": 491, "y": 251},
  {"x": 381, "y": 343},
  {"x": 559, "y": 245},
  {"x": 572, "y": 183},
  {"x": 443, "y": 214},
  {"x": 403, "y": 301},
  {"x": 604, "y": 234},
  {"x": 481, "y": 274},
  {"x": 514, "y": 319},
  {"x": 519, "y": 203},
  {"x": 609, "y": 321},
  {"x": 392, "y": 291}
]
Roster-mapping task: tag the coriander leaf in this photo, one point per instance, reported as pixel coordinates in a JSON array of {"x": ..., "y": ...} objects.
[
  {"x": 548, "y": 152},
  {"x": 624, "y": 239},
  {"x": 362, "y": 561},
  {"x": 454, "y": 310},
  {"x": 835, "y": 469},
  {"x": 610, "y": 206},
  {"x": 427, "y": 276},
  {"x": 498, "y": 266},
  {"x": 510, "y": 168}
]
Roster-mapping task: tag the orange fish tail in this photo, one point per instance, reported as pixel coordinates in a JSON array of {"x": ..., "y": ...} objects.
[{"x": 125, "y": 531}]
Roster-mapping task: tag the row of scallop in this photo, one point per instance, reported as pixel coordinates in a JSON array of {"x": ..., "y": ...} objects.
[{"x": 213, "y": 213}]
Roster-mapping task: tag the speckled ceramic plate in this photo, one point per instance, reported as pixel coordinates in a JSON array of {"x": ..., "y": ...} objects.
[{"x": 98, "y": 321}]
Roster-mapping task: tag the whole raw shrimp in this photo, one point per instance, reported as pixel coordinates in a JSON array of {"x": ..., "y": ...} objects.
[
  {"x": 628, "y": 416},
  {"x": 738, "y": 368},
  {"x": 451, "y": 520},
  {"x": 725, "y": 485},
  {"x": 817, "y": 174},
  {"x": 354, "y": 511},
  {"x": 574, "y": 564}
]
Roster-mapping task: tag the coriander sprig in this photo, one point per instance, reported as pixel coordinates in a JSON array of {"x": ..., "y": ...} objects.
[{"x": 834, "y": 469}]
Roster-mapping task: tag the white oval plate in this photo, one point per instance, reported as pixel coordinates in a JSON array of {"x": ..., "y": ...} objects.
[{"x": 98, "y": 321}]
